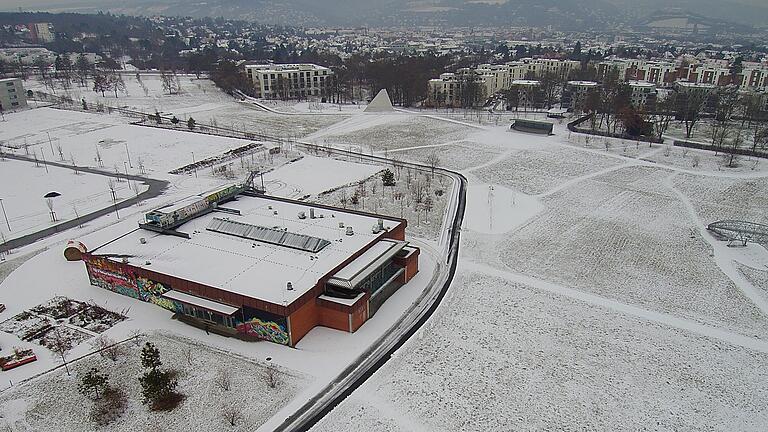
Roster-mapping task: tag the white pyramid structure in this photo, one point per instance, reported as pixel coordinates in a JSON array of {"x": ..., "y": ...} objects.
[{"x": 381, "y": 103}]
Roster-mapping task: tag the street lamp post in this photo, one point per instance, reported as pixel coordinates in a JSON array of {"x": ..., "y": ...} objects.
[
  {"x": 128, "y": 154},
  {"x": 194, "y": 164},
  {"x": 5, "y": 215}
]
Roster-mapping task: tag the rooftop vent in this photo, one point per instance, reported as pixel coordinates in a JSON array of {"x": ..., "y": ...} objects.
[
  {"x": 143, "y": 240},
  {"x": 350, "y": 231},
  {"x": 289, "y": 286}
]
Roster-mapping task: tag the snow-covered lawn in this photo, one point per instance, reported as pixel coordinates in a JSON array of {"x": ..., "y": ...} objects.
[
  {"x": 702, "y": 160},
  {"x": 52, "y": 402},
  {"x": 535, "y": 171},
  {"x": 408, "y": 131},
  {"x": 240, "y": 116},
  {"x": 626, "y": 236},
  {"x": 458, "y": 156},
  {"x": 24, "y": 185},
  {"x": 503, "y": 355},
  {"x": 726, "y": 198},
  {"x": 147, "y": 94}
]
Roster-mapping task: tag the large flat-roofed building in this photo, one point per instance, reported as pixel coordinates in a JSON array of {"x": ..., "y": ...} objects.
[
  {"x": 12, "y": 95},
  {"x": 290, "y": 81},
  {"x": 260, "y": 267}
]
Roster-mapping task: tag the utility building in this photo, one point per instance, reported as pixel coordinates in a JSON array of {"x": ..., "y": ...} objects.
[{"x": 259, "y": 267}]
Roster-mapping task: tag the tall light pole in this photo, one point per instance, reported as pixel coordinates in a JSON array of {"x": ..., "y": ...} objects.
[
  {"x": 194, "y": 164},
  {"x": 50, "y": 142},
  {"x": 128, "y": 154},
  {"x": 5, "y": 215}
]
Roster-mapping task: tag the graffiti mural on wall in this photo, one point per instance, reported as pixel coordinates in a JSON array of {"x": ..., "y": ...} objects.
[
  {"x": 151, "y": 291},
  {"x": 112, "y": 276},
  {"x": 263, "y": 325},
  {"x": 108, "y": 275},
  {"x": 267, "y": 330}
]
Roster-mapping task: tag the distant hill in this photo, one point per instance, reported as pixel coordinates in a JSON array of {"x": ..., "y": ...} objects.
[{"x": 565, "y": 14}]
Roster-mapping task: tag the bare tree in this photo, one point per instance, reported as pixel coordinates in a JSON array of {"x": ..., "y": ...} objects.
[
  {"x": 188, "y": 354},
  {"x": 223, "y": 379},
  {"x": 690, "y": 105},
  {"x": 136, "y": 337},
  {"x": 60, "y": 343},
  {"x": 433, "y": 160},
  {"x": 107, "y": 347},
  {"x": 231, "y": 413},
  {"x": 271, "y": 376}
]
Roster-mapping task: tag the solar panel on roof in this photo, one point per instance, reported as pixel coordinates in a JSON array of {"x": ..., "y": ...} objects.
[{"x": 268, "y": 235}]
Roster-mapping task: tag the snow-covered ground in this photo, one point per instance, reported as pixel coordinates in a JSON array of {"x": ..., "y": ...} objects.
[
  {"x": 53, "y": 403},
  {"x": 589, "y": 295},
  {"x": 598, "y": 302},
  {"x": 24, "y": 185}
]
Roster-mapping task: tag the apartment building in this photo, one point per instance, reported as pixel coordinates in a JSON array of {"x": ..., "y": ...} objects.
[
  {"x": 575, "y": 94},
  {"x": 12, "y": 95},
  {"x": 492, "y": 79},
  {"x": 41, "y": 32},
  {"x": 289, "y": 81},
  {"x": 754, "y": 76},
  {"x": 643, "y": 96}
]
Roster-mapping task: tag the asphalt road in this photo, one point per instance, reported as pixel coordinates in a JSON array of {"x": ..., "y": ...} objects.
[{"x": 156, "y": 187}]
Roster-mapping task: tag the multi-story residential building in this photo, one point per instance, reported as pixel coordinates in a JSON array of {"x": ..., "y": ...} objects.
[
  {"x": 12, "y": 96},
  {"x": 41, "y": 32},
  {"x": 753, "y": 75},
  {"x": 464, "y": 87},
  {"x": 492, "y": 79},
  {"x": 290, "y": 81},
  {"x": 643, "y": 96},
  {"x": 575, "y": 94}
]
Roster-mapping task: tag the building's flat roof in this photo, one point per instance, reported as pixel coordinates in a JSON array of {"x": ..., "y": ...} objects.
[
  {"x": 251, "y": 268},
  {"x": 641, "y": 84},
  {"x": 583, "y": 83}
]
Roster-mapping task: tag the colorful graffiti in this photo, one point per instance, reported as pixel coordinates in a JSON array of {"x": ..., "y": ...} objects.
[
  {"x": 109, "y": 275},
  {"x": 114, "y": 277},
  {"x": 267, "y": 330}
]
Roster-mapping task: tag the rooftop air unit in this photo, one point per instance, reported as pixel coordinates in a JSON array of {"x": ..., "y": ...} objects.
[
  {"x": 302, "y": 215},
  {"x": 311, "y": 213},
  {"x": 289, "y": 286},
  {"x": 350, "y": 231}
]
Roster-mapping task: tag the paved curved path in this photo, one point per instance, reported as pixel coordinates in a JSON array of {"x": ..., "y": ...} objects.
[{"x": 156, "y": 187}]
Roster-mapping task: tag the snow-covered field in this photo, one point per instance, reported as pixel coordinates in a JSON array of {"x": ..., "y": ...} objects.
[
  {"x": 403, "y": 131},
  {"x": 146, "y": 93},
  {"x": 589, "y": 295},
  {"x": 52, "y": 402},
  {"x": 537, "y": 171},
  {"x": 503, "y": 355},
  {"x": 598, "y": 304},
  {"x": 24, "y": 185}
]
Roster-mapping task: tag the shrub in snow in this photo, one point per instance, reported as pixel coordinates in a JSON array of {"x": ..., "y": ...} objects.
[
  {"x": 388, "y": 178},
  {"x": 93, "y": 384},
  {"x": 158, "y": 386}
]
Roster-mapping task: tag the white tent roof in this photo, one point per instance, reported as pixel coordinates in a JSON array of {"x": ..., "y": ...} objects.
[{"x": 381, "y": 103}]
